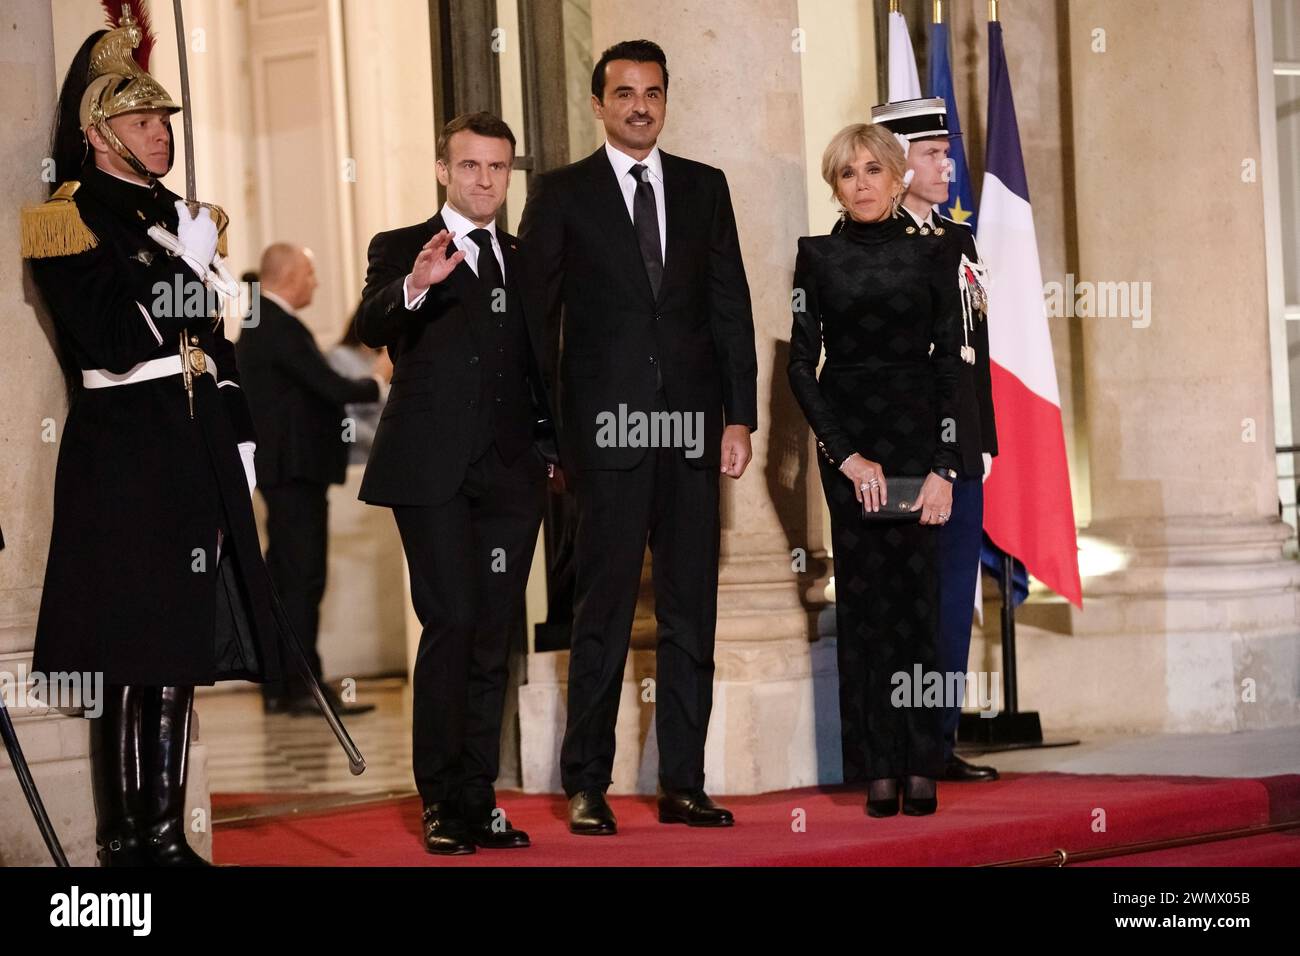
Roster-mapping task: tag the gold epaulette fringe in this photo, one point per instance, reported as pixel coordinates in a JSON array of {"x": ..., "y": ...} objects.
[
  {"x": 222, "y": 219},
  {"x": 55, "y": 227}
]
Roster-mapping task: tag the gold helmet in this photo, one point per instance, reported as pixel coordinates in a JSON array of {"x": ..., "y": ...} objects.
[{"x": 118, "y": 85}]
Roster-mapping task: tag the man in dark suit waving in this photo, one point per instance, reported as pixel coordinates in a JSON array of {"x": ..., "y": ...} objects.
[
  {"x": 461, "y": 455},
  {"x": 658, "y": 380}
]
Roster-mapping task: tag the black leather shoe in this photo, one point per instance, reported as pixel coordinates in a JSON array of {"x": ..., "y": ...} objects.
[
  {"x": 694, "y": 808},
  {"x": 278, "y": 704},
  {"x": 305, "y": 705},
  {"x": 882, "y": 797},
  {"x": 590, "y": 814},
  {"x": 445, "y": 833},
  {"x": 958, "y": 770},
  {"x": 164, "y": 797},
  {"x": 115, "y": 759},
  {"x": 496, "y": 833}
]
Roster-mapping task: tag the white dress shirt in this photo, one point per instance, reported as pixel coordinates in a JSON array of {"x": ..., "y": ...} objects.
[
  {"x": 623, "y": 164},
  {"x": 461, "y": 226}
]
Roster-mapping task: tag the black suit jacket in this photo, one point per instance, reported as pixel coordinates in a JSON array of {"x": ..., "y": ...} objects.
[
  {"x": 699, "y": 331},
  {"x": 296, "y": 399},
  {"x": 427, "y": 431}
]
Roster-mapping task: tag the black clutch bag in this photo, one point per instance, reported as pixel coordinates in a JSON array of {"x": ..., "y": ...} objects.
[{"x": 903, "y": 492}]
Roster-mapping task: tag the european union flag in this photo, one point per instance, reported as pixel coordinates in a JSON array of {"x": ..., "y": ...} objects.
[{"x": 961, "y": 198}]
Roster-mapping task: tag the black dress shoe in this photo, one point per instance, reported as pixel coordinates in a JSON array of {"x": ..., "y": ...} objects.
[
  {"x": 694, "y": 808},
  {"x": 956, "y": 769},
  {"x": 279, "y": 704},
  {"x": 445, "y": 833},
  {"x": 590, "y": 814},
  {"x": 304, "y": 705},
  {"x": 496, "y": 833},
  {"x": 882, "y": 797}
]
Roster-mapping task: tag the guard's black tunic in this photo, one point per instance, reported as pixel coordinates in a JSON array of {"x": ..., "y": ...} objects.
[
  {"x": 134, "y": 585},
  {"x": 878, "y": 297}
]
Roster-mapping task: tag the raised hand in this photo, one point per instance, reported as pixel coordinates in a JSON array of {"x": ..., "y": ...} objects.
[{"x": 433, "y": 265}]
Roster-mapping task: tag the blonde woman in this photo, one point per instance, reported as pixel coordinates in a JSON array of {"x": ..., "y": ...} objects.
[{"x": 883, "y": 300}]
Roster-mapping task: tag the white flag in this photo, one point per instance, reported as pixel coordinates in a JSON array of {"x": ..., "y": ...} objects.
[{"x": 904, "y": 84}]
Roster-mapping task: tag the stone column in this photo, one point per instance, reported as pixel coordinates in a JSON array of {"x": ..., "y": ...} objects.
[
  {"x": 735, "y": 102},
  {"x": 31, "y": 421},
  {"x": 54, "y": 745},
  {"x": 1190, "y": 614}
]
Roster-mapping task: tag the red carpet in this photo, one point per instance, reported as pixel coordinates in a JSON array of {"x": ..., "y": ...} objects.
[{"x": 1022, "y": 815}]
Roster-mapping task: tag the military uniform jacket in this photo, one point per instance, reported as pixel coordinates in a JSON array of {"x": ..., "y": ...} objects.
[
  {"x": 976, "y": 424},
  {"x": 137, "y": 585}
]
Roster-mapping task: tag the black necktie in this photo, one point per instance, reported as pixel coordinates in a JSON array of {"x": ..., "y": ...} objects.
[
  {"x": 645, "y": 219},
  {"x": 489, "y": 270}
]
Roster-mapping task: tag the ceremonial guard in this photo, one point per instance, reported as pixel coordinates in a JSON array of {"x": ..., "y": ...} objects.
[
  {"x": 154, "y": 577},
  {"x": 922, "y": 127}
]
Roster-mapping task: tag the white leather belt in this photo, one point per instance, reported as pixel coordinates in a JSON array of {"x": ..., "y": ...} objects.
[{"x": 154, "y": 368}]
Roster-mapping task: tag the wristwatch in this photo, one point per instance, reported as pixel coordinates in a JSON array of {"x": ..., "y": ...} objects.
[{"x": 947, "y": 474}]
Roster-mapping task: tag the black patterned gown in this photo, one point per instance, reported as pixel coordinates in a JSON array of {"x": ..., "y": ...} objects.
[{"x": 877, "y": 295}]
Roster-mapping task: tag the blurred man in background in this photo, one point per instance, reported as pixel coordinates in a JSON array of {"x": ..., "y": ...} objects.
[{"x": 304, "y": 436}]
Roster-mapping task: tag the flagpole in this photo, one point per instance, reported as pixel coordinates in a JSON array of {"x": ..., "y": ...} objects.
[
  {"x": 1010, "y": 686},
  {"x": 937, "y": 16},
  {"x": 1019, "y": 729},
  {"x": 893, "y": 6}
]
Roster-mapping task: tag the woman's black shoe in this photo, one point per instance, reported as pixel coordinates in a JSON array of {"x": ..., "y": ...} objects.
[
  {"x": 882, "y": 798},
  {"x": 919, "y": 797}
]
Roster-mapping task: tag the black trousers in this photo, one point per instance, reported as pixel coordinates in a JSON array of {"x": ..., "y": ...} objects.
[
  {"x": 297, "y": 531},
  {"x": 886, "y": 624},
  {"x": 469, "y": 560},
  {"x": 675, "y": 507}
]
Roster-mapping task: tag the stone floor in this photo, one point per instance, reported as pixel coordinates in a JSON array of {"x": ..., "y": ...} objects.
[{"x": 249, "y": 752}]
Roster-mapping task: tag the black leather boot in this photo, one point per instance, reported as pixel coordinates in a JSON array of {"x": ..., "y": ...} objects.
[
  {"x": 115, "y": 764},
  {"x": 168, "y": 742}
]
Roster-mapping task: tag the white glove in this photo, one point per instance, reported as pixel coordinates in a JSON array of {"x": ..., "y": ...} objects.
[
  {"x": 904, "y": 142},
  {"x": 246, "y": 450},
  {"x": 988, "y": 465},
  {"x": 198, "y": 234}
]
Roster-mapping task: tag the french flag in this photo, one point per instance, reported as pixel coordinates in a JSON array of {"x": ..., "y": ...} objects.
[{"x": 1028, "y": 511}]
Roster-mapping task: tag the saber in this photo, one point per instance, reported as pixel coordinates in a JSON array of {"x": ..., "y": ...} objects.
[
  {"x": 24, "y": 775},
  {"x": 356, "y": 762},
  {"x": 187, "y": 122}
]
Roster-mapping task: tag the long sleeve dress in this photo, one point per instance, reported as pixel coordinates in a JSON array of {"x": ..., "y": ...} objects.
[{"x": 883, "y": 300}]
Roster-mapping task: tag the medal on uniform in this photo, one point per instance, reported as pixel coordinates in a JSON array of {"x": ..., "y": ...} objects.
[{"x": 972, "y": 278}]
